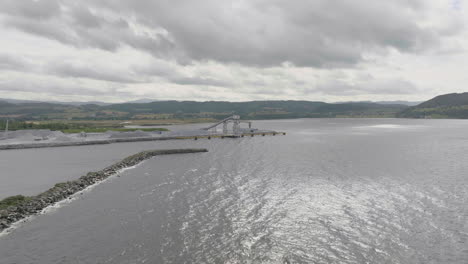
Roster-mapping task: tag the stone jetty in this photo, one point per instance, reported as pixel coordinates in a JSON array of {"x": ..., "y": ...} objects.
[{"x": 28, "y": 206}]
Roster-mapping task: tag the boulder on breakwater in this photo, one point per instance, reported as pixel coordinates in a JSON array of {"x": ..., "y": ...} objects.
[{"x": 15, "y": 208}]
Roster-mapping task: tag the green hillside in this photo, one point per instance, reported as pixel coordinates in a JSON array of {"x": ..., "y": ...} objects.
[
  {"x": 443, "y": 106},
  {"x": 195, "y": 110}
]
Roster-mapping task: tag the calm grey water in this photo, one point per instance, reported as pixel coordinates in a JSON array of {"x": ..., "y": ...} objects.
[
  {"x": 331, "y": 191},
  {"x": 32, "y": 171}
]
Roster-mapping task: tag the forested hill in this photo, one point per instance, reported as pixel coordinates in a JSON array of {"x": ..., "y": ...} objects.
[
  {"x": 443, "y": 106},
  {"x": 453, "y": 105},
  {"x": 196, "y": 110}
]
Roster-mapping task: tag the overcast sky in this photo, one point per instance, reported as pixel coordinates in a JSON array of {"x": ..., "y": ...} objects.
[{"x": 320, "y": 50}]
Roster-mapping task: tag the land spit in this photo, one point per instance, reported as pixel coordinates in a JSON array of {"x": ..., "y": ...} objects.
[
  {"x": 134, "y": 139},
  {"x": 28, "y": 206}
]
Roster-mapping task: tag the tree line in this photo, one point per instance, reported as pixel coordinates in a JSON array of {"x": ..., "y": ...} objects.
[{"x": 21, "y": 125}]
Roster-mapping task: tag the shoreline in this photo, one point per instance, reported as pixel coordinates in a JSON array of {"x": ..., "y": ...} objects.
[
  {"x": 135, "y": 139},
  {"x": 61, "y": 191}
]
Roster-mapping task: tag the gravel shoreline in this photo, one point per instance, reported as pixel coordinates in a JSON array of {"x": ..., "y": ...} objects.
[
  {"x": 61, "y": 191},
  {"x": 80, "y": 143}
]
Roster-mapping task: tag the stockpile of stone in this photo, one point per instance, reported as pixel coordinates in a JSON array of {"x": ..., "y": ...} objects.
[
  {"x": 32, "y": 134},
  {"x": 64, "y": 190}
]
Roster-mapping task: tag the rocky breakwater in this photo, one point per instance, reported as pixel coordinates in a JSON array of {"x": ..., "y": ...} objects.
[{"x": 15, "y": 208}]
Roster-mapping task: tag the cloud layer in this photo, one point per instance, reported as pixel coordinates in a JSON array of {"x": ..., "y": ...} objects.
[{"x": 237, "y": 50}]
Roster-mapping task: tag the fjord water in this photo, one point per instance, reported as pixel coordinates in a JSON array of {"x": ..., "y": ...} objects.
[{"x": 330, "y": 191}]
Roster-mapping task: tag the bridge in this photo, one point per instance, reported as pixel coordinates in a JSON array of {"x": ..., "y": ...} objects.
[{"x": 235, "y": 120}]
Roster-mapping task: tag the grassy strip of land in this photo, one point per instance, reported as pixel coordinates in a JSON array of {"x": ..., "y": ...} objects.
[
  {"x": 102, "y": 130},
  {"x": 13, "y": 201}
]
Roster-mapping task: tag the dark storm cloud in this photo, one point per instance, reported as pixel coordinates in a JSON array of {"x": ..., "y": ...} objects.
[{"x": 318, "y": 33}]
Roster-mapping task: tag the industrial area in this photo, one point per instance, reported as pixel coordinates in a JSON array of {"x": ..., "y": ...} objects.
[{"x": 230, "y": 127}]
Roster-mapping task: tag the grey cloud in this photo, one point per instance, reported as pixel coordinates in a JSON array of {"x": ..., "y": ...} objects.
[
  {"x": 392, "y": 86},
  {"x": 174, "y": 76},
  {"x": 50, "y": 87},
  {"x": 135, "y": 75},
  {"x": 77, "y": 26},
  {"x": 159, "y": 46},
  {"x": 85, "y": 18},
  {"x": 40, "y": 9},
  {"x": 255, "y": 83},
  {"x": 307, "y": 33},
  {"x": 156, "y": 69},
  {"x": 77, "y": 37},
  {"x": 91, "y": 72},
  {"x": 374, "y": 87},
  {"x": 8, "y": 62},
  {"x": 110, "y": 35},
  {"x": 97, "y": 38},
  {"x": 200, "y": 81},
  {"x": 319, "y": 33},
  {"x": 66, "y": 70},
  {"x": 255, "y": 45},
  {"x": 45, "y": 29}
]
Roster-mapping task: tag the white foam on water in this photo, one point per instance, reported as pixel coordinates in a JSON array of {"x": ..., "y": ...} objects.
[
  {"x": 54, "y": 207},
  {"x": 389, "y": 127}
]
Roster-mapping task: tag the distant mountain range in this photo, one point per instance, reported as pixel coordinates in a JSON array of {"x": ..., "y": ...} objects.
[
  {"x": 444, "y": 106},
  {"x": 15, "y": 101},
  {"x": 146, "y": 100},
  {"x": 194, "y": 110}
]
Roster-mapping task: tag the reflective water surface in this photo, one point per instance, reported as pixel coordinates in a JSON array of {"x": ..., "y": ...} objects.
[{"x": 331, "y": 191}]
